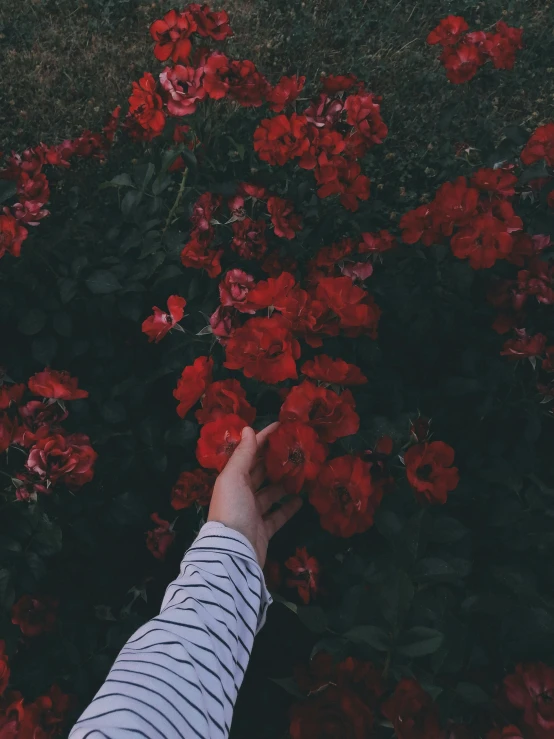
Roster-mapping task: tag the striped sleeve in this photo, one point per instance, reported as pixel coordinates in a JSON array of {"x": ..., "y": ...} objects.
[{"x": 179, "y": 674}]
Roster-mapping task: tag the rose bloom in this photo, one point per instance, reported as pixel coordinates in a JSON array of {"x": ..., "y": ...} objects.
[
  {"x": 483, "y": 241},
  {"x": 324, "y": 112},
  {"x": 67, "y": 458},
  {"x": 210, "y": 23},
  {"x": 285, "y": 221},
  {"x": 377, "y": 242},
  {"x": 524, "y": 346},
  {"x": 454, "y": 205},
  {"x": 192, "y": 487},
  {"x": 265, "y": 349},
  {"x": 197, "y": 254},
  {"x": 216, "y": 72},
  {"x": 8, "y": 429},
  {"x": 497, "y": 181},
  {"x": 246, "y": 85},
  {"x": 222, "y": 398},
  {"x": 279, "y": 139},
  {"x": 285, "y": 92},
  {"x": 333, "y": 83},
  {"x": 12, "y": 234},
  {"x": 364, "y": 113},
  {"x": 448, "y": 32},
  {"x": 508, "y": 732},
  {"x": 526, "y": 247},
  {"x": 30, "y": 212},
  {"x": 160, "y": 538},
  {"x": 333, "y": 371},
  {"x": 37, "y": 420},
  {"x": 502, "y": 46},
  {"x": 333, "y": 713},
  {"x": 275, "y": 263},
  {"x": 531, "y": 689},
  {"x": 412, "y": 712},
  {"x": 540, "y": 146},
  {"x": 218, "y": 440},
  {"x": 53, "y": 384},
  {"x": 223, "y": 323},
  {"x": 160, "y": 324},
  {"x": 331, "y": 415},
  {"x": 305, "y": 569},
  {"x": 184, "y": 88},
  {"x": 293, "y": 455},
  {"x": 4, "y": 667},
  {"x": 35, "y": 615},
  {"x": 172, "y": 36},
  {"x": 461, "y": 62},
  {"x": 430, "y": 472},
  {"x": 204, "y": 210},
  {"x": 249, "y": 240},
  {"x": 33, "y": 188},
  {"x": 234, "y": 290},
  {"x": 344, "y": 496},
  {"x": 417, "y": 224},
  {"x": 192, "y": 384},
  {"x": 355, "y": 308},
  {"x": 11, "y": 394},
  {"x": 145, "y": 105},
  {"x": 273, "y": 292},
  {"x": 339, "y": 176}
]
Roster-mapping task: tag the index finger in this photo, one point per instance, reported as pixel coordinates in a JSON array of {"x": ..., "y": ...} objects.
[{"x": 262, "y": 436}]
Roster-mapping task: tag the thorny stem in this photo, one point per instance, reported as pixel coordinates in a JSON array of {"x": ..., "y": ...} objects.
[{"x": 177, "y": 201}]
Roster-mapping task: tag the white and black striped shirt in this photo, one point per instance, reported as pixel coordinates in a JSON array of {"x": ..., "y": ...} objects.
[{"x": 179, "y": 674}]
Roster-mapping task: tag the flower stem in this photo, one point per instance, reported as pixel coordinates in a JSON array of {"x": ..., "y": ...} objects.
[{"x": 177, "y": 201}]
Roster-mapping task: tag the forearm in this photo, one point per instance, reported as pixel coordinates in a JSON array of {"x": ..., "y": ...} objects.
[{"x": 179, "y": 674}]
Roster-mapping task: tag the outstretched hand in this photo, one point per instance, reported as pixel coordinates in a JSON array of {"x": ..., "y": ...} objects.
[{"x": 239, "y": 501}]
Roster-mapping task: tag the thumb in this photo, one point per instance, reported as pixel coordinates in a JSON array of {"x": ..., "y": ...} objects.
[{"x": 244, "y": 455}]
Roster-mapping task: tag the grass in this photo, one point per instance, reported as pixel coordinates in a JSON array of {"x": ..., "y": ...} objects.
[{"x": 66, "y": 63}]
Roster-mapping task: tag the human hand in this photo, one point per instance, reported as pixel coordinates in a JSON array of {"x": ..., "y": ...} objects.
[{"x": 239, "y": 503}]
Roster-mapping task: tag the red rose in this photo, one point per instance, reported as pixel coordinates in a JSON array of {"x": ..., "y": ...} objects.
[
  {"x": 537, "y": 280},
  {"x": 344, "y": 496},
  {"x": 448, "y": 32},
  {"x": 29, "y": 212},
  {"x": 454, "y": 205},
  {"x": 540, "y": 146},
  {"x": 218, "y": 440},
  {"x": 285, "y": 92},
  {"x": 8, "y": 429},
  {"x": 285, "y": 221},
  {"x": 364, "y": 113},
  {"x": 37, "y": 420},
  {"x": 33, "y": 188},
  {"x": 198, "y": 255},
  {"x": 339, "y": 176},
  {"x": 275, "y": 264},
  {"x": 204, "y": 210},
  {"x": 376, "y": 242},
  {"x": 430, "y": 472},
  {"x": 249, "y": 240},
  {"x": 67, "y": 458},
  {"x": 160, "y": 324},
  {"x": 498, "y": 181},
  {"x": 279, "y": 139},
  {"x": 35, "y": 615},
  {"x": 333, "y": 83},
  {"x": 160, "y": 538},
  {"x": 234, "y": 289},
  {"x": 246, "y": 85},
  {"x": 265, "y": 349},
  {"x": 11, "y": 394},
  {"x": 412, "y": 712},
  {"x": 192, "y": 487},
  {"x": 501, "y": 46},
  {"x": 172, "y": 36},
  {"x": 184, "y": 89},
  {"x": 524, "y": 346},
  {"x": 4, "y": 668},
  {"x": 416, "y": 224},
  {"x": 531, "y": 689},
  {"x": 52, "y": 384},
  {"x": 145, "y": 106},
  {"x": 273, "y": 292},
  {"x": 216, "y": 72},
  {"x": 333, "y": 371},
  {"x": 12, "y": 234},
  {"x": 461, "y": 62},
  {"x": 223, "y": 323},
  {"x": 306, "y": 574},
  {"x": 357, "y": 311},
  {"x": 192, "y": 384},
  {"x": 293, "y": 455},
  {"x": 332, "y": 714},
  {"x": 420, "y": 429},
  {"x": 210, "y": 23},
  {"x": 330, "y": 414},
  {"x": 483, "y": 241},
  {"x": 222, "y": 398}
]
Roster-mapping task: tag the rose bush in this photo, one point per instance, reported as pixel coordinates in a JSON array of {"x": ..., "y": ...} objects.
[{"x": 407, "y": 353}]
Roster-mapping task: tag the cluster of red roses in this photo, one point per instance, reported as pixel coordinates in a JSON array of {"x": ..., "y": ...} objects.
[
  {"x": 463, "y": 53},
  {"x": 346, "y": 700},
  {"x": 328, "y": 137},
  {"x": 44, "y": 717},
  {"x": 33, "y": 191},
  {"x": 477, "y": 216},
  {"x": 35, "y": 425}
]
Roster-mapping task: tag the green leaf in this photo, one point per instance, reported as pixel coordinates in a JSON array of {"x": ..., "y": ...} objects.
[
  {"x": 471, "y": 694},
  {"x": 44, "y": 349},
  {"x": 7, "y": 593},
  {"x": 314, "y": 618},
  {"x": 63, "y": 324},
  {"x": 181, "y": 434},
  {"x": 122, "y": 180},
  {"x": 434, "y": 568},
  {"x": 102, "y": 282},
  {"x": 289, "y": 684},
  {"x": 370, "y": 635},
  {"x": 534, "y": 172},
  {"x": 32, "y": 322},
  {"x": 447, "y": 530},
  {"x": 7, "y": 191},
  {"x": 46, "y": 539},
  {"x": 130, "y": 201},
  {"x": 68, "y": 290},
  {"x": 112, "y": 411},
  {"x": 420, "y": 641}
]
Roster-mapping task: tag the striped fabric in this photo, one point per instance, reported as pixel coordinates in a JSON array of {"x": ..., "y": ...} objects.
[{"x": 179, "y": 674}]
